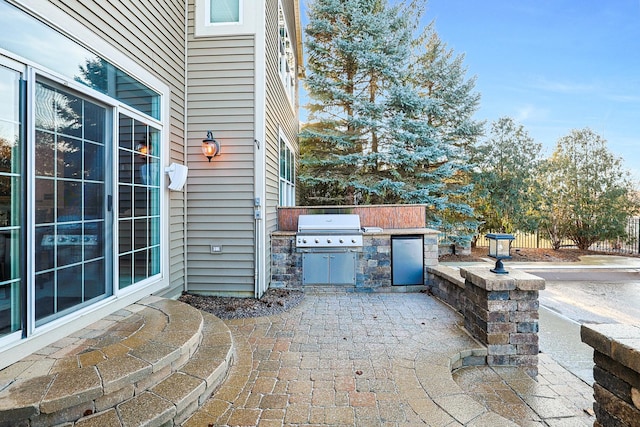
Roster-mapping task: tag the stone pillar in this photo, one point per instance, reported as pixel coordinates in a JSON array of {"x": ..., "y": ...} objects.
[
  {"x": 616, "y": 373},
  {"x": 501, "y": 310}
]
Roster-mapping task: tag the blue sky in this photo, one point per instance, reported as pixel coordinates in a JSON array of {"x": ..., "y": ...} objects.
[{"x": 552, "y": 65}]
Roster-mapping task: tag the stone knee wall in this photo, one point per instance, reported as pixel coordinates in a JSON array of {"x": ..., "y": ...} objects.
[
  {"x": 447, "y": 284},
  {"x": 616, "y": 373},
  {"x": 501, "y": 311}
]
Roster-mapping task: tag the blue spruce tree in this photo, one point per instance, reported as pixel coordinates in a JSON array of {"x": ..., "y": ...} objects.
[{"x": 390, "y": 113}]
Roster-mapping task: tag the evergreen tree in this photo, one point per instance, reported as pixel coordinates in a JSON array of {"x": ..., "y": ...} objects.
[
  {"x": 442, "y": 133},
  {"x": 356, "y": 52},
  {"x": 390, "y": 115},
  {"x": 505, "y": 182}
]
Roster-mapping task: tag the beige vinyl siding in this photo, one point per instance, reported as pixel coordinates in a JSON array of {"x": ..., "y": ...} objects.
[
  {"x": 281, "y": 114},
  {"x": 221, "y": 98},
  {"x": 151, "y": 33}
]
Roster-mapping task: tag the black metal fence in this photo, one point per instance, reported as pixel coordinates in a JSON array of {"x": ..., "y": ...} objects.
[{"x": 629, "y": 244}]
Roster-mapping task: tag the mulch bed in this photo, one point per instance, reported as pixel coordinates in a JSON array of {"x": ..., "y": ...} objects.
[
  {"x": 526, "y": 255},
  {"x": 274, "y": 301}
]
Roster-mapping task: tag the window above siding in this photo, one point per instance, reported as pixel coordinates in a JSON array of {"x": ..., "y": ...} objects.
[
  {"x": 225, "y": 17},
  {"x": 225, "y": 11},
  {"x": 287, "y": 191},
  {"x": 286, "y": 56}
]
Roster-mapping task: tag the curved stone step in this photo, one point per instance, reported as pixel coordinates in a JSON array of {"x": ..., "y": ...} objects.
[
  {"x": 149, "y": 361},
  {"x": 178, "y": 396}
]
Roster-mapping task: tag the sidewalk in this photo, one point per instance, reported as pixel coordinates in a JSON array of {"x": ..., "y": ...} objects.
[
  {"x": 380, "y": 360},
  {"x": 587, "y": 262}
]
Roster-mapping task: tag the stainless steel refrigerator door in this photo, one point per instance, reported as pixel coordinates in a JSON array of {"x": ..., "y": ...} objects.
[{"x": 407, "y": 261}]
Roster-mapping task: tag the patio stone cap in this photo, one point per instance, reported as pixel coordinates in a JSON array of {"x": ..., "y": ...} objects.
[
  {"x": 449, "y": 273},
  {"x": 483, "y": 278},
  {"x": 618, "y": 341}
]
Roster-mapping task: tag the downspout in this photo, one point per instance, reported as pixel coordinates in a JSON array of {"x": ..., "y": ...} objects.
[
  {"x": 260, "y": 143},
  {"x": 184, "y": 145}
]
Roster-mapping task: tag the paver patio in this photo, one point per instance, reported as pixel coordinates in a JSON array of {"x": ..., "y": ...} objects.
[{"x": 379, "y": 360}]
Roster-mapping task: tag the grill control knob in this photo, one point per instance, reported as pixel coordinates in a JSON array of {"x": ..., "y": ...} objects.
[
  {"x": 353, "y": 240},
  {"x": 341, "y": 240},
  {"x": 304, "y": 240},
  {"x": 328, "y": 240},
  {"x": 317, "y": 240}
]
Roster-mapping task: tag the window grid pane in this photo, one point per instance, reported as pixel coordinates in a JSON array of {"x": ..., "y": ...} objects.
[
  {"x": 138, "y": 201},
  {"x": 287, "y": 175},
  {"x": 286, "y": 60}
]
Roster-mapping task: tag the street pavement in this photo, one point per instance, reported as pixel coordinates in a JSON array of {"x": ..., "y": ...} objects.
[
  {"x": 560, "y": 339},
  {"x": 597, "y": 290},
  {"x": 587, "y": 262}
]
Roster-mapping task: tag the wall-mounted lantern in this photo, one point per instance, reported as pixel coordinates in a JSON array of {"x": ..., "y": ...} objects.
[
  {"x": 210, "y": 146},
  {"x": 499, "y": 249},
  {"x": 142, "y": 148}
]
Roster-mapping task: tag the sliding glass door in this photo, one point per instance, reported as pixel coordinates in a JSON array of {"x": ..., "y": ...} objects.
[
  {"x": 11, "y": 200},
  {"x": 71, "y": 209},
  {"x": 80, "y": 196}
]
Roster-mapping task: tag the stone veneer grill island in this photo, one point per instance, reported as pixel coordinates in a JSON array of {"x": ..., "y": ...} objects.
[
  {"x": 501, "y": 311},
  {"x": 373, "y": 263}
]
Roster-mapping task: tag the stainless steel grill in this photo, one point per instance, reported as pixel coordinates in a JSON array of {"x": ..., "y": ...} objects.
[
  {"x": 329, "y": 231},
  {"x": 329, "y": 246}
]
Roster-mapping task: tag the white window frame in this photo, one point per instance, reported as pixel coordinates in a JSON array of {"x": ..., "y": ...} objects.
[
  {"x": 248, "y": 21},
  {"x": 115, "y": 291},
  {"x": 164, "y": 202},
  {"x": 15, "y": 337},
  {"x": 286, "y": 187},
  {"x": 34, "y": 75},
  {"x": 286, "y": 56}
]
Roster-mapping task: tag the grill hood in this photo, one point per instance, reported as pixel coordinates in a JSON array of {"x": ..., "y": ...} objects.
[{"x": 329, "y": 231}]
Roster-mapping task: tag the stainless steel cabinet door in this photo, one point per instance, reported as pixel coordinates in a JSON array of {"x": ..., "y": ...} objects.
[{"x": 328, "y": 268}]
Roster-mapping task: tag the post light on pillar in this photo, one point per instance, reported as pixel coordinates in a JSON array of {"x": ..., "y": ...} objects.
[
  {"x": 499, "y": 249},
  {"x": 210, "y": 146}
]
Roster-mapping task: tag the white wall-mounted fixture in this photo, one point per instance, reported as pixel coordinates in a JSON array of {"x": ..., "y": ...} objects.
[{"x": 178, "y": 176}]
